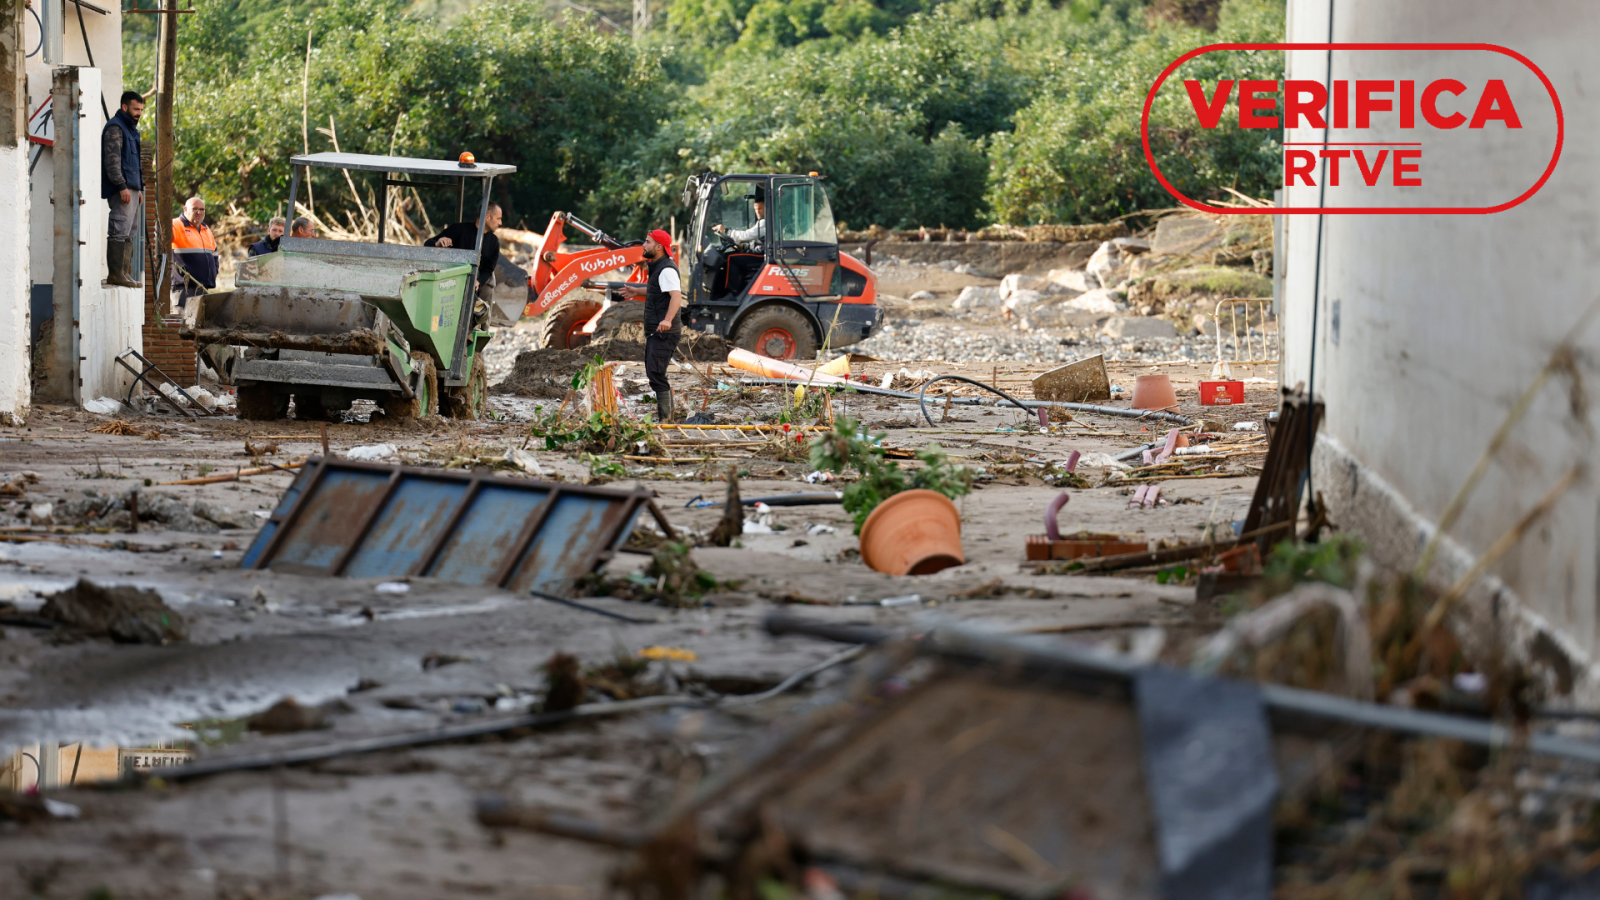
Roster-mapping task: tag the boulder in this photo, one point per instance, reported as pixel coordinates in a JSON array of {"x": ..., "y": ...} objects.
[
  {"x": 923, "y": 296},
  {"x": 1138, "y": 327},
  {"x": 974, "y": 297},
  {"x": 1023, "y": 300},
  {"x": 1075, "y": 280},
  {"x": 1101, "y": 301},
  {"x": 1107, "y": 266},
  {"x": 1012, "y": 283},
  {"x": 1185, "y": 235}
]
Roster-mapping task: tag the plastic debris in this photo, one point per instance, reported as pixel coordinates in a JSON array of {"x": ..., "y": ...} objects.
[
  {"x": 905, "y": 600},
  {"x": 1247, "y": 426},
  {"x": 817, "y": 477},
  {"x": 392, "y": 587},
  {"x": 821, "y": 529},
  {"x": 104, "y": 406},
  {"x": 371, "y": 452}
]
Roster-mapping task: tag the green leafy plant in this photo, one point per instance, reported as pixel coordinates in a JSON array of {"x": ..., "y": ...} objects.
[
  {"x": 848, "y": 447},
  {"x": 598, "y": 432},
  {"x": 585, "y": 376},
  {"x": 1332, "y": 560},
  {"x": 601, "y": 465}
]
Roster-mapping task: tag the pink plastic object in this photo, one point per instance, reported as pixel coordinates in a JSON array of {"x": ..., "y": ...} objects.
[
  {"x": 1171, "y": 445},
  {"x": 1072, "y": 461},
  {"x": 1044, "y": 418},
  {"x": 1152, "y": 496},
  {"x": 1137, "y": 499},
  {"x": 1051, "y": 529}
]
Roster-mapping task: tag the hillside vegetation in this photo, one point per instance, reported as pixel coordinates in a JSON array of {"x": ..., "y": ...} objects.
[{"x": 959, "y": 113}]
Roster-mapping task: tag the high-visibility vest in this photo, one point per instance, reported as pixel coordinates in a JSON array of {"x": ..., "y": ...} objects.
[{"x": 195, "y": 251}]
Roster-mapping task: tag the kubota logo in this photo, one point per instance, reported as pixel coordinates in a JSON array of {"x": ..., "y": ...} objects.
[
  {"x": 1388, "y": 130},
  {"x": 603, "y": 264}
]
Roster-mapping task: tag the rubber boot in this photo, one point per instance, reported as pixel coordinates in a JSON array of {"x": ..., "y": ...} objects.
[
  {"x": 119, "y": 263},
  {"x": 664, "y": 407}
]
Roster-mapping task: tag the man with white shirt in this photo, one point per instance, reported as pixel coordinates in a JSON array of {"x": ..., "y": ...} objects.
[
  {"x": 663, "y": 298},
  {"x": 756, "y": 234}
]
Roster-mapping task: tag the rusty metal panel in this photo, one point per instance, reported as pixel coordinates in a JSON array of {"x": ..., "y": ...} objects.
[
  {"x": 406, "y": 527},
  {"x": 487, "y": 534},
  {"x": 368, "y": 520},
  {"x": 551, "y": 564}
]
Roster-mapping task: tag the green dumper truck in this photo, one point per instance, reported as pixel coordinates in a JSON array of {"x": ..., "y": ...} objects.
[{"x": 331, "y": 322}]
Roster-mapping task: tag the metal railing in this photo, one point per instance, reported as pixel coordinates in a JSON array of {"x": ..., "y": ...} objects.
[{"x": 1244, "y": 320}]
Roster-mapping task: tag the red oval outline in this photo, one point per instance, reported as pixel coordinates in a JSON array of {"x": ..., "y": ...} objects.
[{"x": 1150, "y": 98}]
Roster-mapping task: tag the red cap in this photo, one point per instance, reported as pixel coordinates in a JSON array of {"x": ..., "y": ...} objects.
[{"x": 662, "y": 238}]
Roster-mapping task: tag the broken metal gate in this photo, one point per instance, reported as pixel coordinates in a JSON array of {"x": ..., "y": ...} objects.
[{"x": 368, "y": 520}]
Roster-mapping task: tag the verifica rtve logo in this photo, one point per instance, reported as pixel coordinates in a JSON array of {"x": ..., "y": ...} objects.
[{"x": 1371, "y": 130}]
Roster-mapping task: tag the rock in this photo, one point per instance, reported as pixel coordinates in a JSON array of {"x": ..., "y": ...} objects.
[
  {"x": 1185, "y": 235},
  {"x": 1024, "y": 300},
  {"x": 126, "y": 614},
  {"x": 974, "y": 297},
  {"x": 1131, "y": 246},
  {"x": 222, "y": 516},
  {"x": 1012, "y": 283},
  {"x": 923, "y": 296},
  {"x": 1138, "y": 327},
  {"x": 1084, "y": 381},
  {"x": 1074, "y": 280},
  {"x": 171, "y": 512},
  {"x": 1205, "y": 324},
  {"x": 1097, "y": 301},
  {"x": 1106, "y": 265}
]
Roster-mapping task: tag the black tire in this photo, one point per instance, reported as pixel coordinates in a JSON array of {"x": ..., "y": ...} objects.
[
  {"x": 260, "y": 402},
  {"x": 424, "y": 391},
  {"x": 469, "y": 400},
  {"x": 560, "y": 331},
  {"x": 784, "y": 333},
  {"x": 622, "y": 321},
  {"x": 308, "y": 407}
]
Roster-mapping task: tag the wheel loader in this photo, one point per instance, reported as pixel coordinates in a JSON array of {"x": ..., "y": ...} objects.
[
  {"x": 331, "y": 322},
  {"x": 784, "y": 294}
]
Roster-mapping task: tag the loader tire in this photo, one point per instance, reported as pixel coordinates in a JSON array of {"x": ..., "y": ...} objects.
[
  {"x": 563, "y": 325},
  {"x": 777, "y": 332},
  {"x": 469, "y": 400},
  {"x": 259, "y": 402},
  {"x": 424, "y": 391},
  {"x": 622, "y": 321}
]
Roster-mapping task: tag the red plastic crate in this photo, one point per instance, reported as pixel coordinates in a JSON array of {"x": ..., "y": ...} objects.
[{"x": 1221, "y": 393}]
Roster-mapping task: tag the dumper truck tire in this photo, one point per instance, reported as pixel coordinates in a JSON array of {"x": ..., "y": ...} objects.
[
  {"x": 424, "y": 391},
  {"x": 621, "y": 321},
  {"x": 563, "y": 325},
  {"x": 469, "y": 400},
  {"x": 260, "y": 402},
  {"x": 777, "y": 332}
]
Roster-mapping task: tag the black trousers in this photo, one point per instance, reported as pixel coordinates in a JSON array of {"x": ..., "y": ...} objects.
[{"x": 658, "y": 350}]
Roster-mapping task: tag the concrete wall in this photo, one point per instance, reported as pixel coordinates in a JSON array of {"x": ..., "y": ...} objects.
[
  {"x": 14, "y": 301},
  {"x": 109, "y": 317},
  {"x": 1429, "y": 327}
]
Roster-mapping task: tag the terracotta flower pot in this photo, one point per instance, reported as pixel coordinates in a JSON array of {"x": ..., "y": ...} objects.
[
  {"x": 912, "y": 533},
  {"x": 1154, "y": 392}
]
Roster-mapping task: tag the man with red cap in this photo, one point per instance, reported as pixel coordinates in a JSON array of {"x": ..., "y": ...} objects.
[{"x": 663, "y": 298}]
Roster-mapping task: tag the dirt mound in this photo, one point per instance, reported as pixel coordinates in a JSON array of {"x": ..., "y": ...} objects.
[
  {"x": 126, "y": 614},
  {"x": 547, "y": 374}
]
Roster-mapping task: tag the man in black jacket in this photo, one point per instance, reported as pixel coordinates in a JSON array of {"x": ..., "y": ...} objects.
[
  {"x": 269, "y": 244},
  {"x": 122, "y": 185},
  {"x": 663, "y": 299},
  {"x": 464, "y": 236}
]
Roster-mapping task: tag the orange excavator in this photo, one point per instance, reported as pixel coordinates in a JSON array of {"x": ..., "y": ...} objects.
[{"x": 767, "y": 277}]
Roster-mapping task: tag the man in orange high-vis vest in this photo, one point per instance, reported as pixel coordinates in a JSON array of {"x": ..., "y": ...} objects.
[{"x": 194, "y": 250}]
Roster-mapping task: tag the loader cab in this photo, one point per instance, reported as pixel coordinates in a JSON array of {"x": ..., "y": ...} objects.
[{"x": 786, "y": 295}]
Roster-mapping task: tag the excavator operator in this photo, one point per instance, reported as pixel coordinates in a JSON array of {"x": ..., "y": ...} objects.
[{"x": 755, "y": 234}]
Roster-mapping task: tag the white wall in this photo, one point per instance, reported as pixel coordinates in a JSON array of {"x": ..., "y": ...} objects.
[
  {"x": 15, "y": 362},
  {"x": 1444, "y": 320},
  {"x": 109, "y": 317}
]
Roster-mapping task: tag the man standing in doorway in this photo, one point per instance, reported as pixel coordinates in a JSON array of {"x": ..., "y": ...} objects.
[
  {"x": 122, "y": 185},
  {"x": 663, "y": 298},
  {"x": 194, "y": 249}
]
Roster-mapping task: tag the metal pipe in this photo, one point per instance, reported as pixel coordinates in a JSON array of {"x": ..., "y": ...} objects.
[{"x": 1174, "y": 418}]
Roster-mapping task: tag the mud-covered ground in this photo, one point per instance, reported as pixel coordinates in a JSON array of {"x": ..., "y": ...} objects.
[{"x": 400, "y": 823}]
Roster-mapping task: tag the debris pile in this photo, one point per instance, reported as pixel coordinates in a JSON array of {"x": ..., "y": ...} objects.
[{"x": 123, "y": 613}]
